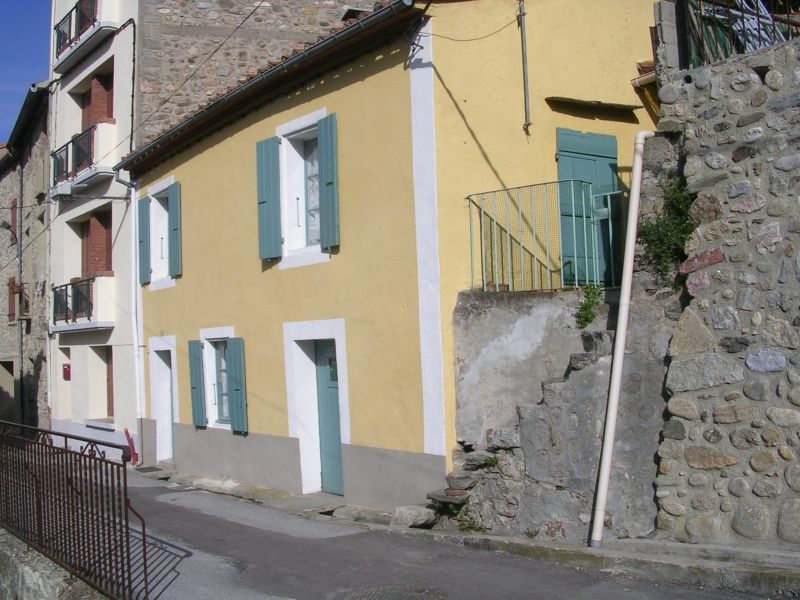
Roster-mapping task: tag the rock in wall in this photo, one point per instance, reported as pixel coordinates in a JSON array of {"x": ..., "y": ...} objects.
[{"x": 728, "y": 469}]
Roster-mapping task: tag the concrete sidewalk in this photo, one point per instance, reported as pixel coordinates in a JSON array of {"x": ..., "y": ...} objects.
[{"x": 764, "y": 574}]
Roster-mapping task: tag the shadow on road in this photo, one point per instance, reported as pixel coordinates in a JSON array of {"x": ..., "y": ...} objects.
[{"x": 163, "y": 559}]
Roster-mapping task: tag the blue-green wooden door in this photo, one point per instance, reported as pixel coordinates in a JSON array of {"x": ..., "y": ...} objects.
[
  {"x": 586, "y": 237},
  {"x": 330, "y": 438}
]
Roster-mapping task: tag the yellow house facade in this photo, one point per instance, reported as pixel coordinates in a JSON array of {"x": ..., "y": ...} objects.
[{"x": 303, "y": 238}]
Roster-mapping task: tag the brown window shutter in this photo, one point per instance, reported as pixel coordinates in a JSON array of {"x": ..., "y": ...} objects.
[{"x": 12, "y": 300}]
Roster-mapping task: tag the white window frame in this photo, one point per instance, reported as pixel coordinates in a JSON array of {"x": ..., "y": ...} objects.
[
  {"x": 292, "y": 174},
  {"x": 208, "y": 335},
  {"x": 159, "y": 221}
]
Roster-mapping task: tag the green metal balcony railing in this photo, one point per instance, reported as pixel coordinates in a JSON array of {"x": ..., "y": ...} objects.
[
  {"x": 545, "y": 237},
  {"x": 73, "y": 300},
  {"x": 712, "y": 30}
]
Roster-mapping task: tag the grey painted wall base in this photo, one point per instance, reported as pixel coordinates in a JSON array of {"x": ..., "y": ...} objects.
[
  {"x": 373, "y": 477},
  {"x": 27, "y": 575},
  {"x": 147, "y": 429},
  {"x": 256, "y": 459},
  {"x": 385, "y": 479}
]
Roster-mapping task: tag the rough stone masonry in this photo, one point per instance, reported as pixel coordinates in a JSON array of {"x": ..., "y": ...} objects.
[
  {"x": 728, "y": 460},
  {"x": 176, "y": 37}
]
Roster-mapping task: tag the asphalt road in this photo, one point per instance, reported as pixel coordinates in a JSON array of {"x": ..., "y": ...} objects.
[{"x": 208, "y": 546}]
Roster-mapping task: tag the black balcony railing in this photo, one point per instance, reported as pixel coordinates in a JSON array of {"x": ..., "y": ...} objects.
[
  {"x": 67, "y": 497},
  {"x": 79, "y": 18},
  {"x": 712, "y": 30},
  {"x": 74, "y": 156},
  {"x": 73, "y": 300}
]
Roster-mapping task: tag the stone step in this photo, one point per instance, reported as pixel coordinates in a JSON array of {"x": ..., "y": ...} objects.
[
  {"x": 598, "y": 341},
  {"x": 581, "y": 360},
  {"x": 443, "y": 497}
]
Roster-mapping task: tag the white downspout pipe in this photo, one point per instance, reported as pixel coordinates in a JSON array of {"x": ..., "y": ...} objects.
[{"x": 601, "y": 495}]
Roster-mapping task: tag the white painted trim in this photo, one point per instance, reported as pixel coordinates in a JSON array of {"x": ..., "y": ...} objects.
[
  {"x": 160, "y": 186},
  {"x": 210, "y": 369},
  {"x": 161, "y": 284},
  {"x": 87, "y": 326},
  {"x": 168, "y": 343},
  {"x": 300, "y": 123},
  {"x": 423, "y": 133},
  {"x": 301, "y": 391},
  {"x": 164, "y": 344},
  {"x": 299, "y": 258}
]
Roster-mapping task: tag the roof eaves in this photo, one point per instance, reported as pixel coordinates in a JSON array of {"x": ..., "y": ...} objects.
[
  {"x": 237, "y": 97},
  {"x": 30, "y": 108}
]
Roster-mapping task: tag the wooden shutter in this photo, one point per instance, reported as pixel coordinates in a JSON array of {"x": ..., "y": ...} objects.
[
  {"x": 237, "y": 396},
  {"x": 196, "y": 382},
  {"x": 269, "y": 198},
  {"x": 144, "y": 240},
  {"x": 12, "y": 299},
  {"x": 328, "y": 184},
  {"x": 174, "y": 225}
]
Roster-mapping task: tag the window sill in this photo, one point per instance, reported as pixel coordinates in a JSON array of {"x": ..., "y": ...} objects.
[
  {"x": 216, "y": 425},
  {"x": 161, "y": 284},
  {"x": 304, "y": 258}
]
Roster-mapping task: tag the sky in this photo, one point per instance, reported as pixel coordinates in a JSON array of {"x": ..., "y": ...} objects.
[{"x": 24, "y": 49}]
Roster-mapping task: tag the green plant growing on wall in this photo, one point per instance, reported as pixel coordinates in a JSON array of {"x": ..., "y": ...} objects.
[
  {"x": 664, "y": 238},
  {"x": 591, "y": 298}
]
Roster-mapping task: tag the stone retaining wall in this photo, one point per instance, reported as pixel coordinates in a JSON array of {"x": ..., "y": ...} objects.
[
  {"x": 175, "y": 37},
  {"x": 728, "y": 470}
]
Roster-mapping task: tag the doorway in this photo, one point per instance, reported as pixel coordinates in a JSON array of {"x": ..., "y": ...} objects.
[
  {"x": 330, "y": 439},
  {"x": 161, "y": 394},
  {"x": 591, "y": 227}
]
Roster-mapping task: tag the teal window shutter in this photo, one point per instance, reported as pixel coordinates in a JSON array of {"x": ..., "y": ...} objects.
[
  {"x": 144, "y": 240},
  {"x": 196, "y": 383},
  {"x": 237, "y": 395},
  {"x": 328, "y": 183},
  {"x": 174, "y": 225},
  {"x": 269, "y": 198}
]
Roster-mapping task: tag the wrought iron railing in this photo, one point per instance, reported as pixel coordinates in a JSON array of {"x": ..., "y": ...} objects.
[
  {"x": 67, "y": 497},
  {"x": 712, "y": 30},
  {"x": 73, "y": 300},
  {"x": 74, "y": 156},
  {"x": 79, "y": 18},
  {"x": 545, "y": 237}
]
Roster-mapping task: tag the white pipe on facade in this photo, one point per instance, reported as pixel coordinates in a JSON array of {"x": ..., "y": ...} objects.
[
  {"x": 644, "y": 80},
  {"x": 601, "y": 495}
]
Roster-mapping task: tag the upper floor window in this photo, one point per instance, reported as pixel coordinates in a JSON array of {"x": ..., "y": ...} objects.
[
  {"x": 298, "y": 198},
  {"x": 159, "y": 214}
]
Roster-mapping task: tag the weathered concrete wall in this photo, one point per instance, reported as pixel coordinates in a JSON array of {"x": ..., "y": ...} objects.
[
  {"x": 506, "y": 345},
  {"x": 728, "y": 469},
  {"x": 27, "y": 575},
  {"x": 32, "y": 167},
  {"x": 535, "y": 392},
  {"x": 174, "y": 38}
]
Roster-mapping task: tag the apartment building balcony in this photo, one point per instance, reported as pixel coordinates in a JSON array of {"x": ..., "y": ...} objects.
[
  {"x": 87, "y": 24},
  {"x": 83, "y": 304},
  {"x": 74, "y": 165}
]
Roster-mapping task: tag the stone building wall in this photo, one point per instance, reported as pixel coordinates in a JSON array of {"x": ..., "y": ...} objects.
[
  {"x": 728, "y": 460},
  {"x": 33, "y": 166},
  {"x": 174, "y": 37}
]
